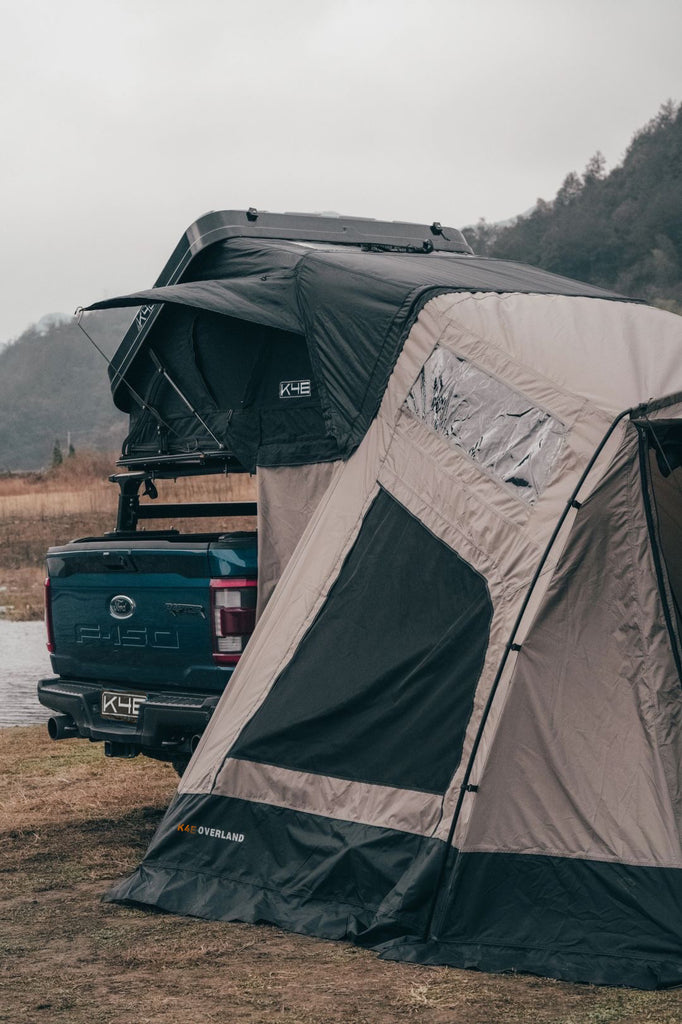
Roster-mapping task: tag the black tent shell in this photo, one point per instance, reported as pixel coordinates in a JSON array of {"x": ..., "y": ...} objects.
[{"x": 307, "y": 331}]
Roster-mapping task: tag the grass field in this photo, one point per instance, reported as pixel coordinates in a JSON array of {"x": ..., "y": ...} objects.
[
  {"x": 38, "y": 510},
  {"x": 71, "y": 823}
]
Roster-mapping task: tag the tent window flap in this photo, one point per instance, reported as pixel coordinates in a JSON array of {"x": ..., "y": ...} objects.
[{"x": 494, "y": 425}]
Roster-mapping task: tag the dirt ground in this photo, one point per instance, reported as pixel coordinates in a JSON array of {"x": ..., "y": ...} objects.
[{"x": 72, "y": 822}]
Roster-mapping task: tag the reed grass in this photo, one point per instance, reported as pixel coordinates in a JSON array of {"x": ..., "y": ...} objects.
[{"x": 75, "y": 500}]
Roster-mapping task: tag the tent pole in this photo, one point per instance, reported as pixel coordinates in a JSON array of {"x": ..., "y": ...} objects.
[
  {"x": 117, "y": 373},
  {"x": 513, "y": 646},
  {"x": 164, "y": 373}
]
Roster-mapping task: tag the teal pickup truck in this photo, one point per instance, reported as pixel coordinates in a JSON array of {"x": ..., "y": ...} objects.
[{"x": 145, "y": 629}]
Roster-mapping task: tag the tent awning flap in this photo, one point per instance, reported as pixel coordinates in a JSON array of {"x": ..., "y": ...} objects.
[
  {"x": 245, "y": 280},
  {"x": 239, "y": 298}
]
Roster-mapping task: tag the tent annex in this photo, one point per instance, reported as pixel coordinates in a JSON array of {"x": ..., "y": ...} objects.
[{"x": 456, "y": 734}]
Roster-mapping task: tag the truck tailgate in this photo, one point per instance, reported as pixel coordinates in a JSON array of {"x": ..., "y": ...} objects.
[{"x": 138, "y": 611}]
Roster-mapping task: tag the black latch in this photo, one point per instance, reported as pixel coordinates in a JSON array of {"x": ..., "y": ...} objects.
[
  {"x": 118, "y": 561},
  {"x": 150, "y": 490}
]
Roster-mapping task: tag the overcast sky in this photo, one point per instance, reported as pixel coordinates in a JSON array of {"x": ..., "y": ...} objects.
[{"x": 124, "y": 120}]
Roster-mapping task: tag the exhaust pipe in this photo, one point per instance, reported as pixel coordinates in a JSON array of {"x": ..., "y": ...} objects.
[{"x": 61, "y": 727}]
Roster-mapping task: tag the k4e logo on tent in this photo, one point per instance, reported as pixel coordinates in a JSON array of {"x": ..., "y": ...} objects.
[
  {"x": 294, "y": 389},
  {"x": 212, "y": 833}
]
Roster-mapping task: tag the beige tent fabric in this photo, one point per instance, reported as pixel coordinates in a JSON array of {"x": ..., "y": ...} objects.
[
  {"x": 287, "y": 498},
  {"x": 601, "y": 466},
  {"x": 613, "y": 355},
  {"x": 366, "y": 803},
  {"x": 502, "y": 522},
  {"x": 519, "y": 339},
  {"x": 587, "y": 756}
]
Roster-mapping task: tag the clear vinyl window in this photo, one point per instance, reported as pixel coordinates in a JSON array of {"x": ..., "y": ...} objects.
[{"x": 493, "y": 424}]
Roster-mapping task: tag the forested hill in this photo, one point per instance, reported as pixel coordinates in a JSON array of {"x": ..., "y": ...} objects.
[
  {"x": 53, "y": 383},
  {"x": 621, "y": 230}
]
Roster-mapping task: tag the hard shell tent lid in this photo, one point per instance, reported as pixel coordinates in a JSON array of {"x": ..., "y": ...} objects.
[{"x": 281, "y": 332}]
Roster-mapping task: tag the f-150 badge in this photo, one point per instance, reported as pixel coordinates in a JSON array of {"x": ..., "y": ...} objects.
[{"x": 121, "y": 606}]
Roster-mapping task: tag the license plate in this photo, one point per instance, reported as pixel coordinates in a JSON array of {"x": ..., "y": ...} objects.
[{"x": 121, "y": 705}]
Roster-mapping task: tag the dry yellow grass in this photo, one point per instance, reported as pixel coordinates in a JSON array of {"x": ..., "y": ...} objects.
[
  {"x": 80, "y": 487},
  {"x": 41, "y": 504},
  {"x": 40, "y": 510},
  {"x": 44, "y": 782}
]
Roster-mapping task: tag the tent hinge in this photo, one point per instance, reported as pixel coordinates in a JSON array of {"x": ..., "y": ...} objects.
[
  {"x": 470, "y": 788},
  {"x": 514, "y": 647},
  {"x": 576, "y": 504}
]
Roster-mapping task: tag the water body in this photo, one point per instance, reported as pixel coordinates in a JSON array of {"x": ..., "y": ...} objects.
[{"x": 23, "y": 661}]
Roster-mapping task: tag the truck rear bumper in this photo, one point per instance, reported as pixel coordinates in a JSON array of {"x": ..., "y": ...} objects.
[{"x": 167, "y": 724}]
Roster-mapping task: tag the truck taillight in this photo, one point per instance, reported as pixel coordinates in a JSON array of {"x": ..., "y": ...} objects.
[
  {"x": 233, "y": 617},
  {"x": 48, "y": 616}
]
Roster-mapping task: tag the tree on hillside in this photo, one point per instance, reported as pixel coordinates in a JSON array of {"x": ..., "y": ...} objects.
[{"x": 621, "y": 230}]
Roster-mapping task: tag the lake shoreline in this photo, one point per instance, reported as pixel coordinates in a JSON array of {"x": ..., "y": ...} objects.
[{"x": 24, "y": 661}]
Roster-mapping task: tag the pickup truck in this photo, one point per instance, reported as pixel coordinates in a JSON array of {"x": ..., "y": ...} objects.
[{"x": 145, "y": 628}]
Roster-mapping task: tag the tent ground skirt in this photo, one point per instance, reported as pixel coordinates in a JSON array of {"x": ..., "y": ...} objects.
[
  {"x": 605, "y": 923},
  {"x": 592, "y": 921},
  {"x": 223, "y": 858},
  {"x": 547, "y": 963}
]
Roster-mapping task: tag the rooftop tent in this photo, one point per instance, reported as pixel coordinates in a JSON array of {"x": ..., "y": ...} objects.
[
  {"x": 283, "y": 347},
  {"x": 455, "y": 736}
]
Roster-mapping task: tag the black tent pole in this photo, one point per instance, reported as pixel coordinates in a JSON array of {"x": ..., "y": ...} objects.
[
  {"x": 164, "y": 373},
  {"x": 117, "y": 373}
]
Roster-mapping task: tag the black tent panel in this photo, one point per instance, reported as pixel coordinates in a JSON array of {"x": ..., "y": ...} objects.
[
  {"x": 392, "y": 704},
  {"x": 602, "y": 922},
  {"x": 252, "y": 384},
  {"x": 236, "y": 860}
]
